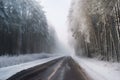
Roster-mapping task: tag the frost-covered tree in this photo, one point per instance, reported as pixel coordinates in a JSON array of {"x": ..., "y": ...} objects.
[
  {"x": 23, "y": 27},
  {"x": 95, "y": 25}
]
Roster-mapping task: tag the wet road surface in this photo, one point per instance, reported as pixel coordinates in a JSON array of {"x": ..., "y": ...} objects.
[{"x": 64, "y": 68}]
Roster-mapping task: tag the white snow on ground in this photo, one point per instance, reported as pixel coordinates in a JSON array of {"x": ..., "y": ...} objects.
[
  {"x": 100, "y": 70},
  {"x": 7, "y": 72},
  {"x": 7, "y": 60},
  {"x": 97, "y": 70}
]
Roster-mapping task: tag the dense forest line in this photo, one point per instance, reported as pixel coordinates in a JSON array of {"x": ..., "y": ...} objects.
[
  {"x": 24, "y": 28},
  {"x": 95, "y": 25}
]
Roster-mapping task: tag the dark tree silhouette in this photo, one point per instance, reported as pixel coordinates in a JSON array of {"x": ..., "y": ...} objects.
[{"x": 23, "y": 28}]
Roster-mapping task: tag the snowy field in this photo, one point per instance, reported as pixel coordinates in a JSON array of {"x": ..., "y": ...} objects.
[
  {"x": 6, "y": 61},
  {"x": 100, "y": 70}
]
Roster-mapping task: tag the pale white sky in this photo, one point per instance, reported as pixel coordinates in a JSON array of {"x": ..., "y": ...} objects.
[{"x": 57, "y": 12}]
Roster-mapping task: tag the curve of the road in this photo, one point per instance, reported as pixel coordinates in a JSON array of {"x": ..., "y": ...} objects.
[{"x": 64, "y": 68}]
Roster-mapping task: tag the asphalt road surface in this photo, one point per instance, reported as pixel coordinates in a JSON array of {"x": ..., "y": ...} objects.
[{"x": 64, "y": 68}]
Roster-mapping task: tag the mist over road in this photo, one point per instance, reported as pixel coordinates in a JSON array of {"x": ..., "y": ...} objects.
[{"x": 64, "y": 68}]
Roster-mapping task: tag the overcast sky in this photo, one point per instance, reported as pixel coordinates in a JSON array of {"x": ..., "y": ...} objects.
[{"x": 57, "y": 12}]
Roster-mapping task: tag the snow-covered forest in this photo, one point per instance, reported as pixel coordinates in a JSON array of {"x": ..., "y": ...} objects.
[
  {"x": 95, "y": 26},
  {"x": 24, "y": 28},
  {"x": 59, "y": 39}
]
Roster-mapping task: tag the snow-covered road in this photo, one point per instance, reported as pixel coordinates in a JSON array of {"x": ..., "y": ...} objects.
[
  {"x": 97, "y": 70},
  {"x": 64, "y": 68}
]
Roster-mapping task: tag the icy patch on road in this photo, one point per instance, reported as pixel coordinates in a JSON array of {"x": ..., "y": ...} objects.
[
  {"x": 7, "y": 72},
  {"x": 100, "y": 70}
]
